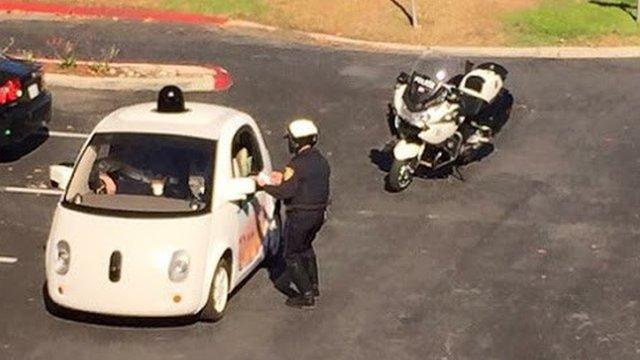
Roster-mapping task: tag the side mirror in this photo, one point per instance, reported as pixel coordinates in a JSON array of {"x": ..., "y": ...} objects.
[
  {"x": 60, "y": 175},
  {"x": 403, "y": 78},
  {"x": 239, "y": 189}
]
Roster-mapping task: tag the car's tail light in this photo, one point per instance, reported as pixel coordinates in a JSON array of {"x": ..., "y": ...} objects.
[
  {"x": 10, "y": 91},
  {"x": 43, "y": 84}
]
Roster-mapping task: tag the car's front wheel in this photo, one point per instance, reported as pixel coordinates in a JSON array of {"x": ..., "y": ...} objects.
[{"x": 218, "y": 293}]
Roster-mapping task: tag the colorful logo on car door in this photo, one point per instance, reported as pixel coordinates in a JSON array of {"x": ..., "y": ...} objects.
[{"x": 252, "y": 235}]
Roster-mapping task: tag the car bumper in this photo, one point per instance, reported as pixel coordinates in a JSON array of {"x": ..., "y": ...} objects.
[
  {"x": 22, "y": 120},
  {"x": 115, "y": 300}
]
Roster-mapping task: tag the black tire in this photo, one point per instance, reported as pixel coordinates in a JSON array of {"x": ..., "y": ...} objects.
[
  {"x": 50, "y": 305},
  {"x": 274, "y": 247},
  {"x": 400, "y": 176},
  {"x": 211, "y": 312}
]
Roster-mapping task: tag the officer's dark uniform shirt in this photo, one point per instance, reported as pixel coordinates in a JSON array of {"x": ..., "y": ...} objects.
[{"x": 305, "y": 184}]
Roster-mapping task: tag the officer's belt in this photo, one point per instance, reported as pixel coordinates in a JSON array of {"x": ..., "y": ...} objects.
[{"x": 306, "y": 207}]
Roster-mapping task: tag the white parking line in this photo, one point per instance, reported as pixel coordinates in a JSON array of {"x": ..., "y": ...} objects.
[
  {"x": 19, "y": 190},
  {"x": 64, "y": 134},
  {"x": 8, "y": 260}
]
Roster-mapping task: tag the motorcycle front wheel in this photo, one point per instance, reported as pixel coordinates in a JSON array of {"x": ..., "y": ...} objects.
[{"x": 400, "y": 176}]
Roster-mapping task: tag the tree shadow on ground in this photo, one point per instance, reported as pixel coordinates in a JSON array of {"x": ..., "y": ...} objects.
[
  {"x": 627, "y": 8},
  {"x": 404, "y": 11}
]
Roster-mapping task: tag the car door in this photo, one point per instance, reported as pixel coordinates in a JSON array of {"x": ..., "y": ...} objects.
[{"x": 247, "y": 160}]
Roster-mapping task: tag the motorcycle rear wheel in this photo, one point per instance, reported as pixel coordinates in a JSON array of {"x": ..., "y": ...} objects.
[{"x": 400, "y": 176}]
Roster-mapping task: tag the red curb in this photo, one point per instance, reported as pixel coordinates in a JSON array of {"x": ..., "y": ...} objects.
[
  {"x": 109, "y": 12},
  {"x": 222, "y": 80}
]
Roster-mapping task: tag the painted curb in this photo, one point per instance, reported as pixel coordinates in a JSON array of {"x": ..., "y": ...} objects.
[
  {"x": 543, "y": 52},
  {"x": 189, "y": 78},
  {"x": 111, "y": 12},
  {"x": 501, "y": 52}
]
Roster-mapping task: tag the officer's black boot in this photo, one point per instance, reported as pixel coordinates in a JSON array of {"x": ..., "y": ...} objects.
[
  {"x": 311, "y": 265},
  {"x": 301, "y": 280},
  {"x": 302, "y": 302},
  {"x": 283, "y": 284}
]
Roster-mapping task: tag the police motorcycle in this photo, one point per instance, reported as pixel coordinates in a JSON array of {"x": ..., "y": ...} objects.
[{"x": 440, "y": 123}]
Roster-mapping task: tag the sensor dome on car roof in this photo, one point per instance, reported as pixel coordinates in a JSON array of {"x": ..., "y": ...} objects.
[{"x": 171, "y": 100}]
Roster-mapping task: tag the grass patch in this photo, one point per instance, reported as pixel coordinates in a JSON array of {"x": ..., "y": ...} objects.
[
  {"x": 572, "y": 21},
  {"x": 230, "y": 7}
]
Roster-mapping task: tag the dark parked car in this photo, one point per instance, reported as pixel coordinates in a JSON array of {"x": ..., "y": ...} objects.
[{"x": 25, "y": 104}]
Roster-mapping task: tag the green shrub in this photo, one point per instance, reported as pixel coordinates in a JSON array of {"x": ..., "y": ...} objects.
[
  {"x": 558, "y": 21},
  {"x": 229, "y": 7}
]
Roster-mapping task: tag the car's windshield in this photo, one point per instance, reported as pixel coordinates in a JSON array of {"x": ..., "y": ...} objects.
[{"x": 146, "y": 173}]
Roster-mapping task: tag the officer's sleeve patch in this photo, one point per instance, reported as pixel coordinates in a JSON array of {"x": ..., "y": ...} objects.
[{"x": 288, "y": 173}]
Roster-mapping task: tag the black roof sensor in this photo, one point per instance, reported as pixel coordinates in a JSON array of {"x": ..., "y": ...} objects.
[{"x": 171, "y": 100}]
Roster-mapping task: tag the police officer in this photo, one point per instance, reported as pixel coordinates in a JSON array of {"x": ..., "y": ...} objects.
[{"x": 304, "y": 187}]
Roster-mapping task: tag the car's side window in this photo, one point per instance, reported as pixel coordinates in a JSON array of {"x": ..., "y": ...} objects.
[{"x": 246, "y": 157}]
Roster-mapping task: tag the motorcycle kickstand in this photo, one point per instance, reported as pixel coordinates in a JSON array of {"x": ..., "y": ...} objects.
[{"x": 457, "y": 174}]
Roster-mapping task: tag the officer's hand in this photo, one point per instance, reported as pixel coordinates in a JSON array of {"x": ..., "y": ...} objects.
[
  {"x": 258, "y": 181},
  {"x": 276, "y": 178}
]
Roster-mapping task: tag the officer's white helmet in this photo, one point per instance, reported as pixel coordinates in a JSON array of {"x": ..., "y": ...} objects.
[
  {"x": 302, "y": 128},
  {"x": 302, "y": 132}
]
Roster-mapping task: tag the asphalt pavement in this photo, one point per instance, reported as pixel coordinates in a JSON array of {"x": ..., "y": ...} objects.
[{"x": 534, "y": 256}]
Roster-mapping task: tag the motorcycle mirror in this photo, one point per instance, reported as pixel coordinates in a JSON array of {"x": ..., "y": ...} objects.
[
  {"x": 403, "y": 78},
  {"x": 441, "y": 75}
]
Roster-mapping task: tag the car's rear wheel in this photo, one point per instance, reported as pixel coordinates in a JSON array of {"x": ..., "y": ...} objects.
[{"x": 218, "y": 297}]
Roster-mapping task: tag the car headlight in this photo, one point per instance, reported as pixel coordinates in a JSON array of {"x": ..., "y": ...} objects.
[
  {"x": 63, "y": 257},
  {"x": 179, "y": 266}
]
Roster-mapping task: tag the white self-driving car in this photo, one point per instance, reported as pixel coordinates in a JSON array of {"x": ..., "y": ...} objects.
[{"x": 159, "y": 217}]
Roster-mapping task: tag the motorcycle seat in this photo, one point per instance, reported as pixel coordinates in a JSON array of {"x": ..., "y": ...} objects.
[{"x": 470, "y": 105}]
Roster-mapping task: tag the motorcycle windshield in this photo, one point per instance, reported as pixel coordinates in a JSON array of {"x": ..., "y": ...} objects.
[{"x": 418, "y": 97}]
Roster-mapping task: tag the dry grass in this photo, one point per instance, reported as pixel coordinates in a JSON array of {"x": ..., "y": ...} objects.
[
  {"x": 142, "y": 4},
  {"x": 442, "y": 22},
  {"x": 450, "y": 22}
]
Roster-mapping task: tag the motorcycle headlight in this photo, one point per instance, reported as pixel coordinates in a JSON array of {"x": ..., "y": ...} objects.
[
  {"x": 62, "y": 257},
  {"x": 179, "y": 266}
]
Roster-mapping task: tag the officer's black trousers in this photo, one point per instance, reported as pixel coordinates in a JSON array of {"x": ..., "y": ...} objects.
[{"x": 300, "y": 230}]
